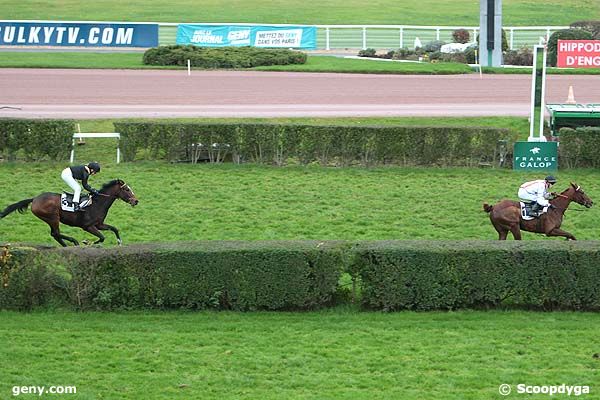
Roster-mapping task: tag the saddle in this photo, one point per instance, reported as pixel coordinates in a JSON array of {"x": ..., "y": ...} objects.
[
  {"x": 66, "y": 201},
  {"x": 528, "y": 214}
]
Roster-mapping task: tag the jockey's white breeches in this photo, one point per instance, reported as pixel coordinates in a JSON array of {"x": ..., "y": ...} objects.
[
  {"x": 67, "y": 176},
  {"x": 524, "y": 195}
]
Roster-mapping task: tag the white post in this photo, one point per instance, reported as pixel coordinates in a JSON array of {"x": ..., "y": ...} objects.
[
  {"x": 189, "y": 67},
  {"x": 543, "y": 99},
  {"x": 364, "y": 37},
  {"x": 401, "y": 37},
  {"x": 72, "y": 151},
  {"x": 327, "y": 38}
]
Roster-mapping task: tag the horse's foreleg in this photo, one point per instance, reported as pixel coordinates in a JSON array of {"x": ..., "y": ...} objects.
[
  {"x": 560, "y": 232},
  {"x": 94, "y": 231},
  {"x": 105, "y": 227}
]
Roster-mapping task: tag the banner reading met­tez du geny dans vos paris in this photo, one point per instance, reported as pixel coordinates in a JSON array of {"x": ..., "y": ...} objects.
[
  {"x": 78, "y": 34},
  {"x": 296, "y": 37}
]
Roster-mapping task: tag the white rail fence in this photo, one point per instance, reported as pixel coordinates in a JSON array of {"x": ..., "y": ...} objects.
[{"x": 338, "y": 37}]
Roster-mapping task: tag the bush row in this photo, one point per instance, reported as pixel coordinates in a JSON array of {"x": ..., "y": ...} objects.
[
  {"x": 36, "y": 139},
  {"x": 327, "y": 145},
  {"x": 221, "y": 57},
  {"x": 451, "y": 275},
  {"x": 219, "y": 275},
  {"x": 580, "y": 147},
  {"x": 393, "y": 275}
]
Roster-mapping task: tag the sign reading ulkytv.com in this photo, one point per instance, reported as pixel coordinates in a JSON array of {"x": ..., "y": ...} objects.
[{"x": 535, "y": 156}]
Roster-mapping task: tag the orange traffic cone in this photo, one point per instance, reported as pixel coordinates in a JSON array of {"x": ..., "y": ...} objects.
[{"x": 571, "y": 98}]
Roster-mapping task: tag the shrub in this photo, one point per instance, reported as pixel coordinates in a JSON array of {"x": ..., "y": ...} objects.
[
  {"x": 221, "y": 57},
  {"x": 434, "y": 45},
  {"x": 592, "y": 27},
  {"x": 300, "y": 275},
  {"x": 431, "y": 275},
  {"x": 461, "y": 36},
  {"x": 36, "y": 139},
  {"x": 200, "y": 275},
  {"x": 328, "y": 145},
  {"x": 565, "y": 34},
  {"x": 523, "y": 56},
  {"x": 580, "y": 147},
  {"x": 367, "y": 53}
]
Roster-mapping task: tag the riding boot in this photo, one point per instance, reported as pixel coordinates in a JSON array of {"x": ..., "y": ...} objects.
[
  {"x": 76, "y": 207},
  {"x": 536, "y": 209}
]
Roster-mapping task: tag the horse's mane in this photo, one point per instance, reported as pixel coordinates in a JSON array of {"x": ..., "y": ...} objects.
[{"x": 111, "y": 184}]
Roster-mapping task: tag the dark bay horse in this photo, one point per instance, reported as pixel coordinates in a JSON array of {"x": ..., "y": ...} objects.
[
  {"x": 506, "y": 215},
  {"x": 46, "y": 207}
]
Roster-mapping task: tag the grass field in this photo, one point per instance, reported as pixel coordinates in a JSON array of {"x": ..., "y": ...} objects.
[
  {"x": 336, "y": 354},
  {"x": 250, "y": 202},
  {"x": 404, "y": 12}
]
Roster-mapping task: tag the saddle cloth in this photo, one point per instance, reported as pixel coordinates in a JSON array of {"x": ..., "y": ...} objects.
[
  {"x": 526, "y": 211},
  {"x": 66, "y": 201}
]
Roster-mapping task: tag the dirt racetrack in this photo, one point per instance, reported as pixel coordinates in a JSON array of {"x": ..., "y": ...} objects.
[{"x": 80, "y": 94}]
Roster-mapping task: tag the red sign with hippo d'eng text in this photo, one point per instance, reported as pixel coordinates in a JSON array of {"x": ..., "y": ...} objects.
[{"x": 578, "y": 54}]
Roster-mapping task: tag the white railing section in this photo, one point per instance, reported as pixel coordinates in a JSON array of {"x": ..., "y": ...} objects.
[{"x": 332, "y": 37}]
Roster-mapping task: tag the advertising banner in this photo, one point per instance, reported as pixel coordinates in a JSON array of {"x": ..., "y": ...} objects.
[
  {"x": 535, "y": 156},
  {"x": 295, "y": 37},
  {"x": 74, "y": 34},
  {"x": 578, "y": 54}
]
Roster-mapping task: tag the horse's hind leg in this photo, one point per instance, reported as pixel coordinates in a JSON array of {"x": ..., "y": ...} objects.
[
  {"x": 502, "y": 232},
  {"x": 60, "y": 238},
  {"x": 516, "y": 231}
]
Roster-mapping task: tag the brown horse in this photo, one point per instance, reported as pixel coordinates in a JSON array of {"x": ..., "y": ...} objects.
[
  {"x": 506, "y": 215},
  {"x": 46, "y": 207}
]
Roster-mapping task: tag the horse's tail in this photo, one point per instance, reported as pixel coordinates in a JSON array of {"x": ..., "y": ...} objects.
[
  {"x": 21, "y": 206},
  {"x": 487, "y": 208}
]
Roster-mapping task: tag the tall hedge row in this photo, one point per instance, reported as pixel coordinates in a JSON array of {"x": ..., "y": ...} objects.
[
  {"x": 221, "y": 57},
  {"x": 580, "y": 148},
  {"x": 392, "y": 275},
  {"x": 201, "y": 275},
  {"x": 419, "y": 275},
  {"x": 339, "y": 145},
  {"x": 36, "y": 139}
]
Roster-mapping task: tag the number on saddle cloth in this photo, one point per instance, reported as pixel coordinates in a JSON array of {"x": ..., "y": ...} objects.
[{"x": 66, "y": 201}]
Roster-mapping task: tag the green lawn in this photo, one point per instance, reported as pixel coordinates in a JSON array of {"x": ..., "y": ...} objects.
[
  {"x": 404, "y": 12},
  {"x": 249, "y": 202},
  {"x": 336, "y": 354}
]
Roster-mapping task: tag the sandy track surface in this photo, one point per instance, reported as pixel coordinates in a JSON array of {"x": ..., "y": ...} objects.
[{"x": 60, "y": 93}]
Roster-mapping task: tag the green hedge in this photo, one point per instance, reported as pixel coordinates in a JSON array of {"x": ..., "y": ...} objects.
[
  {"x": 327, "y": 145},
  {"x": 36, "y": 139},
  {"x": 430, "y": 275},
  {"x": 580, "y": 148},
  {"x": 221, "y": 57},
  {"x": 202, "y": 275},
  {"x": 393, "y": 275}
]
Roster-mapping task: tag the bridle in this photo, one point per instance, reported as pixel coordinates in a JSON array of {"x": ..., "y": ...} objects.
[{"x": 121, "y": 187}]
